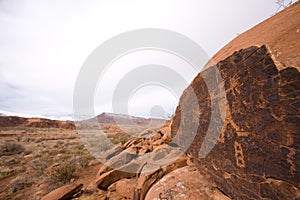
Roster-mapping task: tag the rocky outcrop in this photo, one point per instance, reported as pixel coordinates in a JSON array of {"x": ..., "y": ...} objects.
[
  {"x": 134, "y": 167},
  {"x": 256, "y": 155}
]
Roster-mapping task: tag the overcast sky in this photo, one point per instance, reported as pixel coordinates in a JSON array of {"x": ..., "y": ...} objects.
[{"x": 43, "y": 45}]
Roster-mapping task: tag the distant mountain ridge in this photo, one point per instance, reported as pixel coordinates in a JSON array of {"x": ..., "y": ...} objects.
[
  {"x": 111, "y": 118},
  {"x": 15, "y": 121},
  {"x": 104, "y": 118},
  {"x": 68, "y": 117}
]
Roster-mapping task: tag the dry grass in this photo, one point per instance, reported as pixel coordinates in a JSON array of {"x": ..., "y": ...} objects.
[
  {"x": 49, "y": 158},
  {"x": 64, "y": 173},
  {"x": 27, "y": 157}
]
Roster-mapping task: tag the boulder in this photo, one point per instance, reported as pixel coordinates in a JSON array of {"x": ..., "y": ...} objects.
[
  {"x": 151, "y": 173},
  {"x": 125, "y": 188},
  {"x": 184, "y": 183},
  {"x": 113, "y": 152},
  {"x": 127, "y": 171},
  {"x": 117, "y": 161},
  {"x": 64, "y": 193},
  {"x": 250, "y": 137}
]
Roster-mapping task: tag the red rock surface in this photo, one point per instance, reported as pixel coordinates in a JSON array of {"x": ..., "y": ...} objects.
[
  {"x": 257, "y": 154},
  {"x": 64, "y": 193},
  {"x": 185, "y": 183}
]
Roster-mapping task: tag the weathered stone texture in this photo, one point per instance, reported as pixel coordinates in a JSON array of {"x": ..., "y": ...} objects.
[{"x": 257, "y": 154}]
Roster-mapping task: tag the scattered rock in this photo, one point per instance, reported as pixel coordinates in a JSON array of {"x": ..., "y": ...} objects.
[
  {"x": 127, "y": 171},
  {"x": 64, "y": 193},
  {"x": 113, "y": 152},
  {"x": 144, "y": 150},
  {"x": 117, "y": 161},
  {"x": 133, "y": 150},
  {"x": 94, "y": 162},
  {"x": 125, "y": 188},
  {"x": 158, "y": 142},
  {"x": 131, "y": 142}
]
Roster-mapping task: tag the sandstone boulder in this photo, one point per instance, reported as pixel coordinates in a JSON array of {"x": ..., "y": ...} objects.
[
  {"x": 125, "y": 188},
  {"x": 185, "y": 183},
  {"x": 64, "y": 193},
  {"x": 258, "y": 138},
  {"x": 127, "y": 171},
  {"x": 151, "y": 173}
]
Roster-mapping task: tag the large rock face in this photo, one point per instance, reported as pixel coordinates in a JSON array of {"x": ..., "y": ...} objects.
[{"x": 256, "y": 155}]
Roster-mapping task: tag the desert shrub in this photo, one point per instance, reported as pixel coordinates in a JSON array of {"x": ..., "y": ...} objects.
[
  {"x": 38, "y": 165},
  {"x": 63, "y": 173},
  {"x": 119, "y": 138},
  {"x": 80, "y": 147},
  {"x": 60, "y": 143},
  {"x": 28, "y": 139},
  {"x": 10, "y": 171},
  {"x": 18, "y": 184},
  {"x": 38, "y": 140},
  {"x": 9, "y": 148},
  {"x": 6, "y": 173},
  {"x": 98, "y": 144},
  {"x": 11, "y": 160},
  {"x": 84, "y": 160},
  {"x": 63, "y": 151}
]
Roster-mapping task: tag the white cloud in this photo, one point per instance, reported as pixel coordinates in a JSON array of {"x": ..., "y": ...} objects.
[{"x": 44, "y": 43}]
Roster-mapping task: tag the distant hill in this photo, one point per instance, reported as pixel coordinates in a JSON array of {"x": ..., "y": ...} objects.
[
  {"x": 111, "y": 118},
  {"x": 15, "y": 121},
  {"x": 104, "y": 118}
]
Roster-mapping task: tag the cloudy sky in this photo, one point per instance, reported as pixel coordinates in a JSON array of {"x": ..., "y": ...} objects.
[{"x": 43, "y": 45}]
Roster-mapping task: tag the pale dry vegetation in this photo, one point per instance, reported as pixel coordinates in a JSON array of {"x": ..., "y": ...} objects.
[{"x": 36, "y": 161}]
